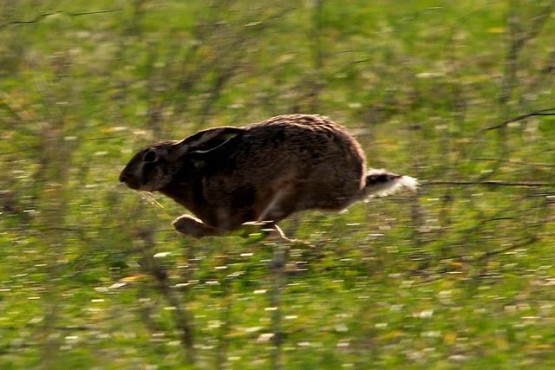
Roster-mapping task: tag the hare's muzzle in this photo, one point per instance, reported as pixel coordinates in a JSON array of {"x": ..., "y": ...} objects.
[{"x": 128, "y": 180}]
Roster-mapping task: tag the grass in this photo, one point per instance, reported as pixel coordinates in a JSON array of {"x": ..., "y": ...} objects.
[{"x": 458, "y": 276}]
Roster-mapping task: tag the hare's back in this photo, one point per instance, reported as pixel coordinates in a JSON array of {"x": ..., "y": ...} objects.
[
  {"x": 321, "y": 164},
  {"x": 300, "y": 133}
]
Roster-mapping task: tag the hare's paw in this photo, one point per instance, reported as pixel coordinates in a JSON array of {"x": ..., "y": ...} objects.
[{"x": 191, "y": 226}]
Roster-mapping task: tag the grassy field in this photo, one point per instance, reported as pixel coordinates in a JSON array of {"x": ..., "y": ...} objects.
[{"x": 460, "y": 94}]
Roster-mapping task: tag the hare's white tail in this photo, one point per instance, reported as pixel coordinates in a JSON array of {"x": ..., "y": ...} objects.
[{"x": 381, "y": 183}]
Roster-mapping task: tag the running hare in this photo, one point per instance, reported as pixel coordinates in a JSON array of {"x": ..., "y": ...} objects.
[{"x": 265, "y": 171}]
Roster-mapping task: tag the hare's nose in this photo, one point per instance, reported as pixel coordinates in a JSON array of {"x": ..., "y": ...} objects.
[{"x": 123, "y": 177}]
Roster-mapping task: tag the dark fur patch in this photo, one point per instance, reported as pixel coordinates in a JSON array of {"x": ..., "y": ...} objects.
[
  {"x": 379, "y": 178},
  {"x": 243, "y": 197}
]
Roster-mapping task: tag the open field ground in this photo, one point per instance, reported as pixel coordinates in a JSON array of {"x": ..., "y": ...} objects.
[{"x": 459, "y": 94}]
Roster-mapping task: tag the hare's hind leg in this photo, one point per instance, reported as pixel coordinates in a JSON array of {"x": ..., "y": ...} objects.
[{"x": 191, "y": 226}]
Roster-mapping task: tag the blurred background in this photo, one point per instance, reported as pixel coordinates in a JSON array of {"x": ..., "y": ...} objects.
[{"x": 458, "y": 94}]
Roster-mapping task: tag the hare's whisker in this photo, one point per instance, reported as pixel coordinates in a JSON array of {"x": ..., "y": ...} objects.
[{"x": 149, "y": 198}]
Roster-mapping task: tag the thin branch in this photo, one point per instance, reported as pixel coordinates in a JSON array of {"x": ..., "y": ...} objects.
[
  {"x": 78, "y": 14},
  {"x": 181, "y": 315},
  {"x": 538, "y": 23},
  {"x": 541, "y": 112},
  {"x": 106, "y": 137},
  {"x": 42, "y": 16},
  {"x": 517, "y": 42},
  {"x": 278, "y": 276},
  {"x": 489, "y": 183},
  {"x": 515, "y": 162},
  {"x": 77, "y": 327},
  {"x": 37, "y": 19},
  {"x": 524, "y": 243}
]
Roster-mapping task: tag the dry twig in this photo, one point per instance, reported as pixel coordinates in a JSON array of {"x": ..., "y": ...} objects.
[
  {"x": 541, "y": 112},
  {"x": 38, "y": 18},
  {"x": 528, "y": 184}
]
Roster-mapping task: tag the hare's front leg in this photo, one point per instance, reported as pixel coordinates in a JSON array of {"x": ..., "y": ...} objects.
[{"x": 194, "y": 227}]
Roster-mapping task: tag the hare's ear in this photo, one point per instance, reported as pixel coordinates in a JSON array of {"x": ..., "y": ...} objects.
[{"x": 208, "y": 142}]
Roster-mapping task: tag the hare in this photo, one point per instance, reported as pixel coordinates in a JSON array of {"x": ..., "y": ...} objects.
[{"x": 228, "y": 176}]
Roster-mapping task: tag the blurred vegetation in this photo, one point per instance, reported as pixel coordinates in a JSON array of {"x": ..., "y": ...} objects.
[{"x": 458, "y": 94}]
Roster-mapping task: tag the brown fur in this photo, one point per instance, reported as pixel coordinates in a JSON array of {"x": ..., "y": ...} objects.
[{"x": 262, "y": 172}]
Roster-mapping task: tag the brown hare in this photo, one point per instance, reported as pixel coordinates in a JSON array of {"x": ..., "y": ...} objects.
[{"x": 228, "y": 176}]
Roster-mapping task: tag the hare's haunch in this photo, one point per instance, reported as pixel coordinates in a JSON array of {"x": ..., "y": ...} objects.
[{"x": 265, "y": 171}]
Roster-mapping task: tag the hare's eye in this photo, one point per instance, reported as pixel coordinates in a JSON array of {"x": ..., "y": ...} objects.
[{"x": 149, "y": 156}]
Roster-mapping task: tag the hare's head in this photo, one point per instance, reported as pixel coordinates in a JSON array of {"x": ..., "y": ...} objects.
[
  {"x": 151, "y": 168},
  {"x": 154, "y": 167}
]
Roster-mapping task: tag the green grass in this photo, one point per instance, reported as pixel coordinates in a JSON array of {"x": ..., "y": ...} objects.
[{"x": 458, "y": 276}]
